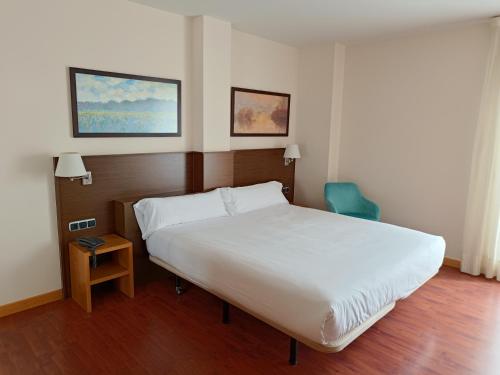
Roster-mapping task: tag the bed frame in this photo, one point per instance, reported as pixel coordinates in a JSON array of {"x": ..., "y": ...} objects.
[
  {"x": 128, "y": 228},
  {"x": 337, "y": 346}
]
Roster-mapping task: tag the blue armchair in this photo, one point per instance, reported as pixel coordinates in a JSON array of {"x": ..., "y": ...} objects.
[{"x": 346, "y": 199}]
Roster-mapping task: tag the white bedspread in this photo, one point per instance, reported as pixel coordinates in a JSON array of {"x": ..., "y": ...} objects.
[{"x": 316, "y": 273}]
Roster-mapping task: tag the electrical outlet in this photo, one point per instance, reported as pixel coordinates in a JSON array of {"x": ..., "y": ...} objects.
[{"x": 82, "y": 224}]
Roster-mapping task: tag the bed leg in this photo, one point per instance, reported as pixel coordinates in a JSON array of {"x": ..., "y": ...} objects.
[
  {"x": 293, "y": 352},
  {"x": 225, "y": 312},
  {"x": 178, "y": 285}
]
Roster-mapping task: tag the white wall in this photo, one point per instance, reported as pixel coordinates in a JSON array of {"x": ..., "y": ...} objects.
[
  {"x": 261, "y": 64},
  {"x": 38, "y": 42},
  {"x": 410, "y": 111}
]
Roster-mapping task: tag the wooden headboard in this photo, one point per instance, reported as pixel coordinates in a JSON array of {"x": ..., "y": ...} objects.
[
  {"x": 121, "y": 180},
  {"x": 255, "y": 166}
]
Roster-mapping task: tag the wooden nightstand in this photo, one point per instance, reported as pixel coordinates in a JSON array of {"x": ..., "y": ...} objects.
[{"x": 119, "y": 267}]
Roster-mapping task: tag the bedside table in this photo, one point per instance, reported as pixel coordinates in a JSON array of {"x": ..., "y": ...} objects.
[{"x": 120, "y": 268}]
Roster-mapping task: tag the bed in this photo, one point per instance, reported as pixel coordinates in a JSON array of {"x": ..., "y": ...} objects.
[{"x": 319, "y": 277}]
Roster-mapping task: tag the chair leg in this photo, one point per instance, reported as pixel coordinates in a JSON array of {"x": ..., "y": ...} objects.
[{"x": 178, "y": 285}]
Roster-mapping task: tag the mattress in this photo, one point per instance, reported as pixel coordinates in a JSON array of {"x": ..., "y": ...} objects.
[{"x": 319, "y": 275}]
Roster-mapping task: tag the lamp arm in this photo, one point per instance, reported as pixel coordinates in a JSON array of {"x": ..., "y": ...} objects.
[{"x": 86, "y": 178}]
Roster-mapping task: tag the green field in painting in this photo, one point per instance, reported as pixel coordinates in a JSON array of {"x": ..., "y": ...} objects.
[{"x": 126, "y": 122}]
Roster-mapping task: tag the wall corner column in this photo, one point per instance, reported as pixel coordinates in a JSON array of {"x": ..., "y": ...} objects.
[
  {"x": 336, "y": 110},
  {"x": 211, "y": 72},
  {"x": 321, "y": 74}
]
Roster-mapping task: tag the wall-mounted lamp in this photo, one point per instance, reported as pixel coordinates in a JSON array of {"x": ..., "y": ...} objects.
[
  {"x": 292, "y": 152},
  {"x": 70, "y": 164}
]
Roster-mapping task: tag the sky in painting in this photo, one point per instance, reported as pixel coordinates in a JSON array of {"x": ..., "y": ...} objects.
[{"x": 92, "y": 88}]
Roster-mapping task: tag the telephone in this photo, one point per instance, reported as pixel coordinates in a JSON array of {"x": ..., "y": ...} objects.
[{"x": 90, "y": 242}]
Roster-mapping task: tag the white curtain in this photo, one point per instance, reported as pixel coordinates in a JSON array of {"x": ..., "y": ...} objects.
[{"x": 482, "y": 224}]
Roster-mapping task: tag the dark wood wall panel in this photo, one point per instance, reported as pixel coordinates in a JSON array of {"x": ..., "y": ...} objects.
[
  {"x": 121, "y": 180},
  {"x": 213, "y": 170},
  {"x": 116, "y": 177},
  {"x": 262, "y": 165}
]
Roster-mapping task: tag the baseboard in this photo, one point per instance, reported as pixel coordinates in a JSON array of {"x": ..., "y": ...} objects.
[
  {"x": 29, "y": 303},
  {"x": 451, "y": 262}
]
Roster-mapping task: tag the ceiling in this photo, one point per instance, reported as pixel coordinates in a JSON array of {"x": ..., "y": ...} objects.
[{"x": 300, "y": 22}]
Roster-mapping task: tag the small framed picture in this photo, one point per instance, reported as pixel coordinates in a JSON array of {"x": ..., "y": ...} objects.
[
  {"x": 106, "y": 104},
  {"x": 259, "y": 113}
]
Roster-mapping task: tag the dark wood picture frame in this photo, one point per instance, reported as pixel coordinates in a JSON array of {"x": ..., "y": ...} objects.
[
  {"x": 74, "y": 108},
  {"x": 239, "y": 89}
]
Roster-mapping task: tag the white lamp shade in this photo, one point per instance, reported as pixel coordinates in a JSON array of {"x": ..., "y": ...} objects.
[
  {"x": 292, "y": 152},
  {"x": 70, "y": 164}
]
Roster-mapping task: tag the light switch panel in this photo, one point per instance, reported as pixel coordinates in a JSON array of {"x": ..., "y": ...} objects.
[{"x": 82, "y": 224}]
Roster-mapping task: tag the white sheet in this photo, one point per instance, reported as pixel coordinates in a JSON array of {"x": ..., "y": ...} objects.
[{"x": 318, "y": 274}]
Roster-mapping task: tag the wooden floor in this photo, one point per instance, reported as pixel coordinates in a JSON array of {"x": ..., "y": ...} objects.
[{"x": 449, "y": 326}]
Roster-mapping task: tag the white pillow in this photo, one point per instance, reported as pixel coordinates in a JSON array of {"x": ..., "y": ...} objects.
[
  {"x": 248, "y": 198},
  {"x": 155, "y": 213}
]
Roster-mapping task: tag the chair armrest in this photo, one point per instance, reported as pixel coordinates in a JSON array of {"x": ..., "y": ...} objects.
[
  {"x": 330, "y": 206},
  {"x": 371, "y": 208}
]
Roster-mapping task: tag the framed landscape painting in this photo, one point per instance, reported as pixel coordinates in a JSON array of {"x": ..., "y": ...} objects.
[
  {"x": 106, "y": 104},
  {"x": 259, "y": 113}
]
